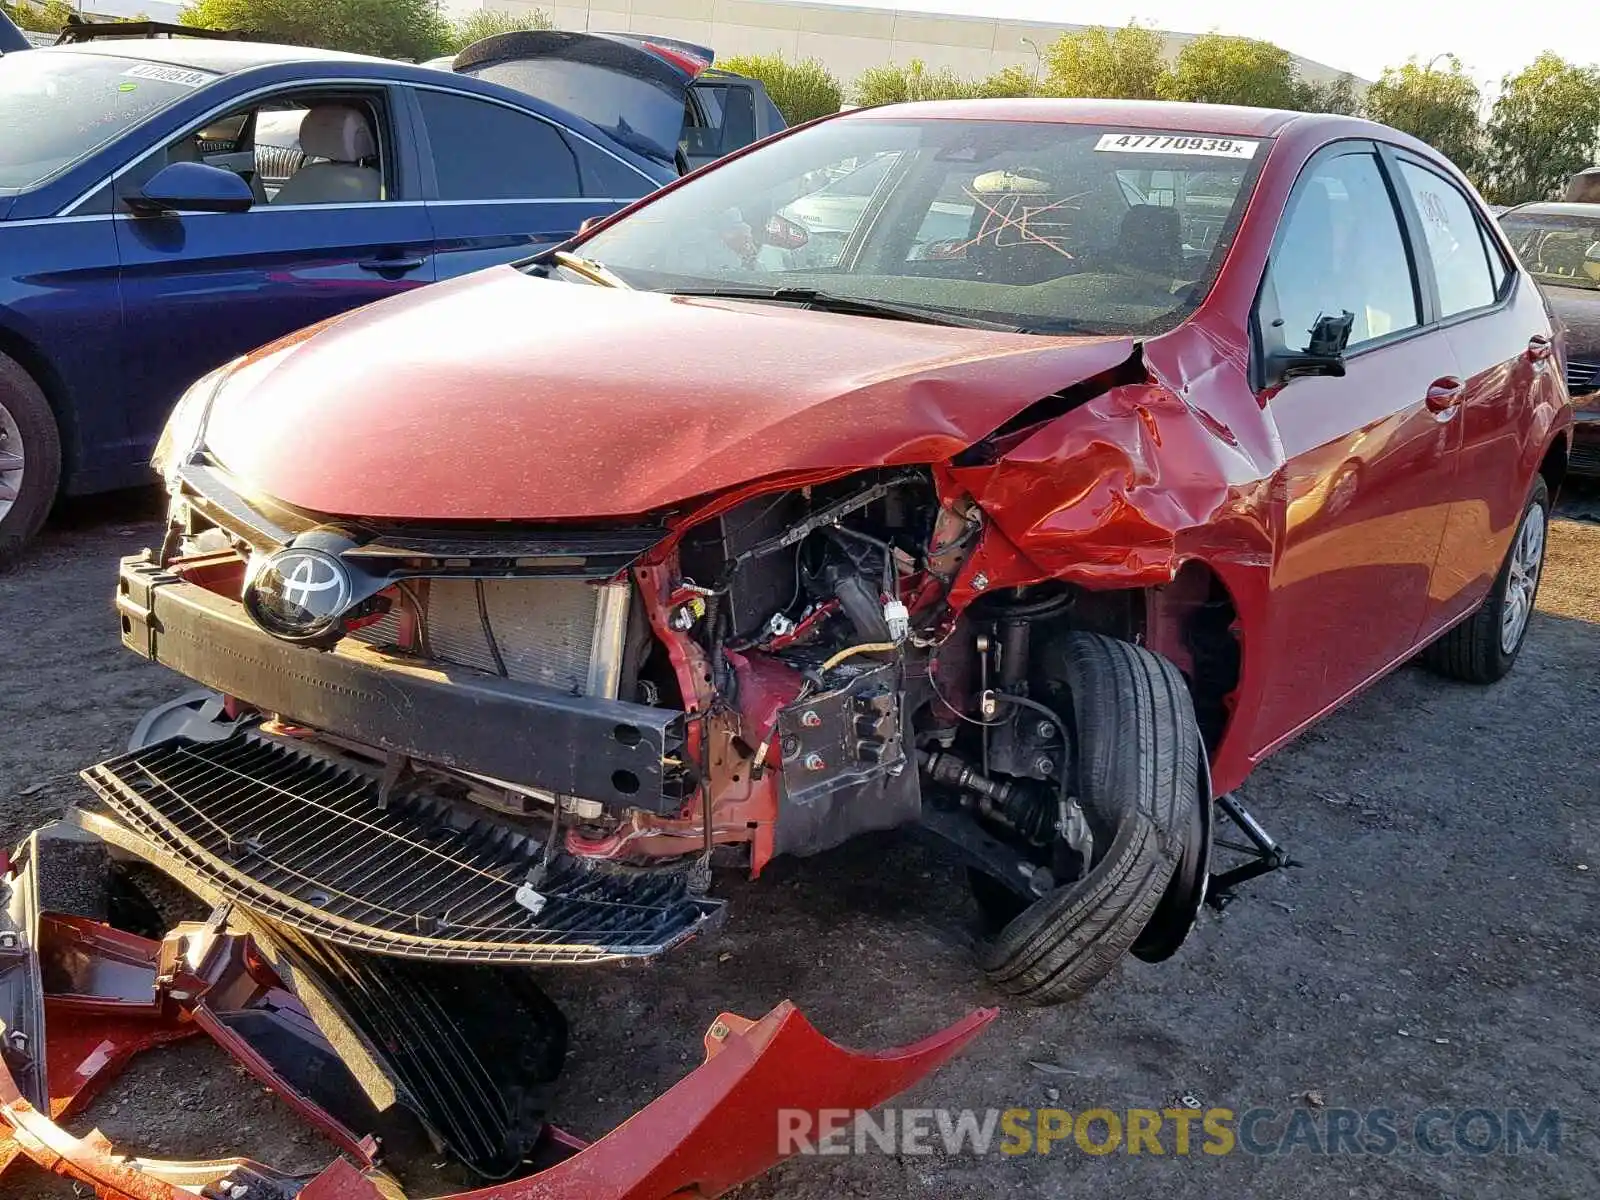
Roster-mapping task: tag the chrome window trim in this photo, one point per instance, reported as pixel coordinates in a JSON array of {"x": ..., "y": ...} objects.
[
  {"x": 342, "y": 81},
  {"x": 270, "y": 208},
  {"x": 535, "y": 200},
  {"x": 57, "y": 220},
  {"x": 227, "y": 106}
]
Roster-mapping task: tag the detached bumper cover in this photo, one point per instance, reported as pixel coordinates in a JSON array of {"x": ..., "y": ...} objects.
[
  {"x": 604, "y": 750},
  {"x": 715, "y": 1129}
]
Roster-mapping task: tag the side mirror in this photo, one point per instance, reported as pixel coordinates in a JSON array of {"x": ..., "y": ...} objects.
[
  {"x": 191, "y": 187},
  {"x": 588, "y": 224},
  {"x": 1323, "y": 355}
]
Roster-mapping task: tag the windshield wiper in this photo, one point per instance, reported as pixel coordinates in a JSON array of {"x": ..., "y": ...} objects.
[
  {"x": 589, "y": 269},
  {"x": 848, "y": 305},
  {"x": 1061, "y": 325}
]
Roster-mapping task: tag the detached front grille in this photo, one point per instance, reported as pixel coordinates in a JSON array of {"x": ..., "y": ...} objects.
[
  {"x": 307, "y": 841},
  {"x": 1583, "y": 375},
  {"x": 475, "y": 1050},
  {"x": 565, "y": 634}
]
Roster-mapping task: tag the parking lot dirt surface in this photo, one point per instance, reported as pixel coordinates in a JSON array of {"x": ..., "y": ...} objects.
[{"x": 1437, "y": 948}]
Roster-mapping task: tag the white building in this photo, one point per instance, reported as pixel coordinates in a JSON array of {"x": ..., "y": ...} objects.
[
  {"x": 150, "y": 10},
  {"x": 847, "y": 39}
]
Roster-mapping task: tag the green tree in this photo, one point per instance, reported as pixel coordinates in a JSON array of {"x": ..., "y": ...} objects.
[
  {"x": 802, "y": 91},
  {"x": 1436, "y": 106},
  {"x": 1011, "y": 81},
  {"x": 1216, "y": 68},
  {"x": 1119, "y": 64},
  {"x": 1341, "y": 96},
  {"x": 894, "y": 84},
  {"x": 1545, "y": 126},
  {"x": 49, "y": 17},
  {"x": 486, "y": 22},
  {"x": 410, "y": 29}
]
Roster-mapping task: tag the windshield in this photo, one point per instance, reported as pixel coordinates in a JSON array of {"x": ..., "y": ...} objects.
[
  {"x": 55, "y": 108},
  {"x": 1563, "y": 250},
  {"x": 1047, "y": 227}
]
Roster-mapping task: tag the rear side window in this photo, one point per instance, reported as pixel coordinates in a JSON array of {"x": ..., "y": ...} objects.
[
  {"x": 1499, "y": 269},
  {"x": 484, "y": 151},
  {"x": 1455, "y": 241},
  {"x": 607, "y": 177},
  {"x": 1340, "y": 250}
]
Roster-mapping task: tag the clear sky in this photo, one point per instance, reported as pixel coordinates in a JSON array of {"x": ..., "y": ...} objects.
[{"x": 1360, "y": 36}]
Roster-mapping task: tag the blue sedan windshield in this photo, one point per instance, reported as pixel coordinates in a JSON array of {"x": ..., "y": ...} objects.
[{"x": 56, "y": 107}]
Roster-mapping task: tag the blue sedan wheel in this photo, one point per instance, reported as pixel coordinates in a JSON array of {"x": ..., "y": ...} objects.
[{"x": 30, "y": 457}]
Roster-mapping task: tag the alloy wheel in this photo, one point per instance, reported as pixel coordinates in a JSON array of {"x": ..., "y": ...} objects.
[
  {"x": 1522, "y": 579},
  {"x": 11, "y": 464}
]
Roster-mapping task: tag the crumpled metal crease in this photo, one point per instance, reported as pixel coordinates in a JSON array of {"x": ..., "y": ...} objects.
[{"x": 1117, "y": 492}]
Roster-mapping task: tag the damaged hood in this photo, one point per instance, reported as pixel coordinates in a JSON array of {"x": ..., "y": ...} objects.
[{"x": 502, "y": 396}]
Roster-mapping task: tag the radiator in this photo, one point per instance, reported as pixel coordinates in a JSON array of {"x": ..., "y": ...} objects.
[{"x": 566, "y": 634}]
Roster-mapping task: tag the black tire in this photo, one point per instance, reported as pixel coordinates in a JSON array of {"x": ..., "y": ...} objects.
[
  {"x": 1138, "y": 754},
  {"x": 1474, "y": 651},
  {"x": 40, "y": 447}
]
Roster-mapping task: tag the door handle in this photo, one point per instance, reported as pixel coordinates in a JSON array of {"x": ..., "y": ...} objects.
[
  {"x": 1539, "y": 348},
  {"x": 1444, "y": 395},
  {"x": 396, "y": 265}
]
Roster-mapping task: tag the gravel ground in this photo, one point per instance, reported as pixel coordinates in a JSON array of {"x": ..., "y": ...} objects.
[{"x": 1437, "y": 949}]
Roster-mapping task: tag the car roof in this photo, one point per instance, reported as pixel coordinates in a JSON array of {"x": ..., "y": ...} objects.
[
  {"x": 205, "y": 54},
  {"x": 1555, "y": 208},
  {"x": 1224, "y": 120},
  {"x": 279, "y": 63}
]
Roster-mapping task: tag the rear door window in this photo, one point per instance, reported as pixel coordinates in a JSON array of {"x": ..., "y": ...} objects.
[
  {"x": 607, "y": 177},
  {"x": 1455, "y": 242},
  {"x": 486, "y": 151}
]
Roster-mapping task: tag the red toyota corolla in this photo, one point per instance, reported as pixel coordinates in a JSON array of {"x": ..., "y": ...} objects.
[{"x": 1026, "y": 470}]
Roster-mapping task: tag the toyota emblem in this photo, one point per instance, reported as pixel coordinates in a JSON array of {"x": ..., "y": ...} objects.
[{"x": 298, "y": 594}]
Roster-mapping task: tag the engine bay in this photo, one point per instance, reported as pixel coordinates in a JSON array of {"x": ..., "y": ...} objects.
[{"x": 788, "y": 662}]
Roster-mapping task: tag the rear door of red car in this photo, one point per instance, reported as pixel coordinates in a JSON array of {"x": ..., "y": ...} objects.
[
  {"x": 1501, "y": 336},
  {"x": 1364, "y": 493}
]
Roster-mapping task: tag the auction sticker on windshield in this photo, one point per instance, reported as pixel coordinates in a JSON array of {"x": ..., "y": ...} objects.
[
  {"x": 178, "y": 75},
  {"x": 1176, "y": 143}
]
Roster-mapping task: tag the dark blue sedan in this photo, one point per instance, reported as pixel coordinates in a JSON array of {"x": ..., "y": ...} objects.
[{"x": 167, "y": 205}]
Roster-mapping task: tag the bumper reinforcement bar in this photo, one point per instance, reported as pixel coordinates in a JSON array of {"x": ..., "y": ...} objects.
[{"x": 608, "y": 751}]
